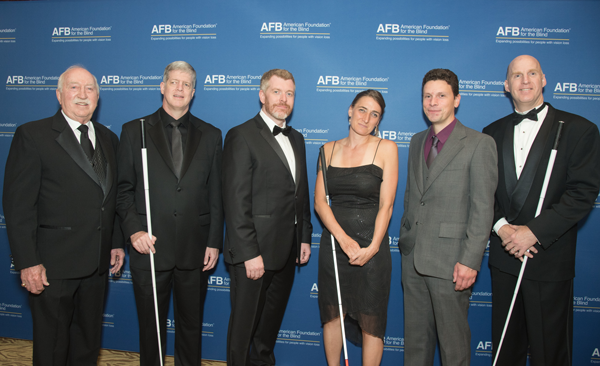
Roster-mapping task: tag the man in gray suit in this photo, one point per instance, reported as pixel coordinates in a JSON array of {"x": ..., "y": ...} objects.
[{"x": 448, "y": 212}]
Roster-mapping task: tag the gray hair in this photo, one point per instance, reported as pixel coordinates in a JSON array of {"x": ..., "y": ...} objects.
[
  {"x": 61, "y": 79},
  {"x": 181, "y": 66}
]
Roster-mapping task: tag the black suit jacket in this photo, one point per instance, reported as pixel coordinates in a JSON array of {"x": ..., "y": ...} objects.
[
  {"x": 187, "y": 214},
  {"x": 573, "y": 187},
  {"x": 57, "y": 213},
  {"x": 260, "y": 197}
]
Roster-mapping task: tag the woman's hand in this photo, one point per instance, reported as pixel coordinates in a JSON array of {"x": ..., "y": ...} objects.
[
  {"x": 348, "y": 245},
  {"x": 363, "y": 255}
]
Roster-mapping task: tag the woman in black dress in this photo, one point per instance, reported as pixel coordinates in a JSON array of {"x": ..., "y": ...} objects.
[{"x": 362, "y": 174}]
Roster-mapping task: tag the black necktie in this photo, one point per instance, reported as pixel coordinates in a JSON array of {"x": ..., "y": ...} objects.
[
  {"x": 85, "y": 142},
  {"x": 285, "y": 131},
  {"x": 176, "y": 147},
  {"x": 433, "y": 152},
  {"x": 532, "y": 115}
]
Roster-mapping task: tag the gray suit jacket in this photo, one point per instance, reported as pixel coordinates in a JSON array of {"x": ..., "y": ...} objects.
[{"x": 448, "y": 208}]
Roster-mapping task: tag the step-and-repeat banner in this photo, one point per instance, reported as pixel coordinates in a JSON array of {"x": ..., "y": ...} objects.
[{"x": 334, "y": 49}]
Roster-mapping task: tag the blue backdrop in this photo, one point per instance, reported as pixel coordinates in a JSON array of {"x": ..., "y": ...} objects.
[{"x": 334, "y": 49}]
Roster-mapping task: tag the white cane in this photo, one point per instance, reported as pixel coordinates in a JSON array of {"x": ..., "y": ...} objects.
[
  {"x": 335, "y": 267},
  {"x": 149, "y": 224},
  {"x": 537, "y": 213}
]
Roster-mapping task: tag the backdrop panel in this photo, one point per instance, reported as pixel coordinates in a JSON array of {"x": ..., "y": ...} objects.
[{"x": 334, "y": 49}]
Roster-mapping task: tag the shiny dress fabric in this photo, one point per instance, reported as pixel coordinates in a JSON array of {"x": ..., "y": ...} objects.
[{"x": 365, "y": 290}]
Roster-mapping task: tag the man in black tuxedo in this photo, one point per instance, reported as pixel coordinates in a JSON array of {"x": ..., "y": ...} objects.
[
  {"x": 184, "y": 165},
  {"x": 543, "y": 314},
  {"x": 60, "y": 189},
  {"x": 267, "y": 210}
]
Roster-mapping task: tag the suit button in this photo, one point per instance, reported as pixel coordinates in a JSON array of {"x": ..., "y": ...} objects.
[
  {"x": 99, "y": 228},
  {"x": 102, "y": 209},
  {"x": 178, "y": 189},
  {"x": 175, "y": 214},
  {"x": 422, "y": 203}
]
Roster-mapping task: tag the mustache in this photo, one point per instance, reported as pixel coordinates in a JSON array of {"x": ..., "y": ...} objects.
[{"x": 82, "y": 101}]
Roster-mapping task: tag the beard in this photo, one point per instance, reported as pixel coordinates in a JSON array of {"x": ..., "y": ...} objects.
[{"x": 277, "y": 113}]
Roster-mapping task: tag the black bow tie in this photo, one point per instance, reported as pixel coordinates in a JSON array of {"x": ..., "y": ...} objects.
[
  {"x": 532, "y": 115},
  {"x": 285, "y": 131}
]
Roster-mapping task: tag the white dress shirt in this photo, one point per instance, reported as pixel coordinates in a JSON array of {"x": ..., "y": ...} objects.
[
  {"x": 524, "y": 136},
  {"x": 284, "y": 142}
]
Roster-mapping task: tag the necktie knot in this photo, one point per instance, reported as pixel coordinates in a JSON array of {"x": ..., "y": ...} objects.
[
  {"x": 285, "y": 131},
  {"x": 84, "y": 129}
]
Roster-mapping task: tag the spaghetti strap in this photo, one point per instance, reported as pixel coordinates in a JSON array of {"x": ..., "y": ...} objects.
[
  {"x": 331, "y": 157},
  {"x": 376, "y": 151}
]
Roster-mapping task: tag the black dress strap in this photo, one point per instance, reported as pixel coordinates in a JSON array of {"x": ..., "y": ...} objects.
[
  {"x": 376, "y": 151},
  {"x": 331, "y": 157}
]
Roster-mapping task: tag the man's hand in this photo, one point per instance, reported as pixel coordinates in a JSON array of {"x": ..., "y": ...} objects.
[
  {"x": 210, "y": 258},
  {"x": 34, "y": 279},
  {"x": 255, "y": 268},
  {"x": 520, "y": 240},
  {"x": 142, "y": 243},
  {"x": 116, "y": 259},
  {"x": 505, "y": 232},
  {"x": 463, "y": 276},
  {"x": 304, "y": 253}
]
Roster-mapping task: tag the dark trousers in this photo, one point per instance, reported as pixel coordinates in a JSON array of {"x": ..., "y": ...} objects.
[
  {"x": 257, "y": 309},
  {"x": 189, "y": 292},
  {"x": 542, "y": 319},
  {"x": 67, "y": 321}
]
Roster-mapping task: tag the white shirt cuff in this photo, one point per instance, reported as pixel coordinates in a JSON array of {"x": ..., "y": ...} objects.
[{"x": 499, "y": 224}]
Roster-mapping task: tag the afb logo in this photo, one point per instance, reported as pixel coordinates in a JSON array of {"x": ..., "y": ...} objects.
[
  {"x": 328, "y": 80},
  {"x": 386, "y": 28},
  {"x": 218, "y": 281},
  {"x": 110, "y": 79},
  {"x": 61, "y": 31},
  {"x": 508, "y": 31},
  {"x": 566, "y": 87},
  {"x": 214, "y": 79},
  {"x": 162, "y": 28},
  {"x": 484, "y": 346},
  {"x": 15, "y": 79},
  {"x": 271, "y": 26}
]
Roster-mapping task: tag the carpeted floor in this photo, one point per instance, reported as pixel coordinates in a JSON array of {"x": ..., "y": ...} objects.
[{"x": 17, "y": 352}]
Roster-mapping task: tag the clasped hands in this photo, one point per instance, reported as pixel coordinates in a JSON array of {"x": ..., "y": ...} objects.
[
  {"x": 357, "y": 255},
  {"x": 518, "y": 240}
]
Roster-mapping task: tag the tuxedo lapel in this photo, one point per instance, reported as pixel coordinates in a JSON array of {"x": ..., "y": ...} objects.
[
  {"x": 194, "y": 136},
  {"x": 508, "y": 158},
  {"x": 104, "y": 141},
  {"x": 541, "y": 146},
  {"x": 67, "y": 140},
  {"x": 157, "y": 135},
  {"x": 266, "y": 133},
  {"x": 452, "y": 147}
]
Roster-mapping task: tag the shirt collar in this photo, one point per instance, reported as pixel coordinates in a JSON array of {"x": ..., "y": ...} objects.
[
  {"x": 75, "y": 125},
  {"x": 166, "y": 118},
  {"x": 444, "y": 134},
  {"x": 270, "y": 123}
]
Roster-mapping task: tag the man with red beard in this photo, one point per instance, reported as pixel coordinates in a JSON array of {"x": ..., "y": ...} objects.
[{"x": 267, "y": 211}]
